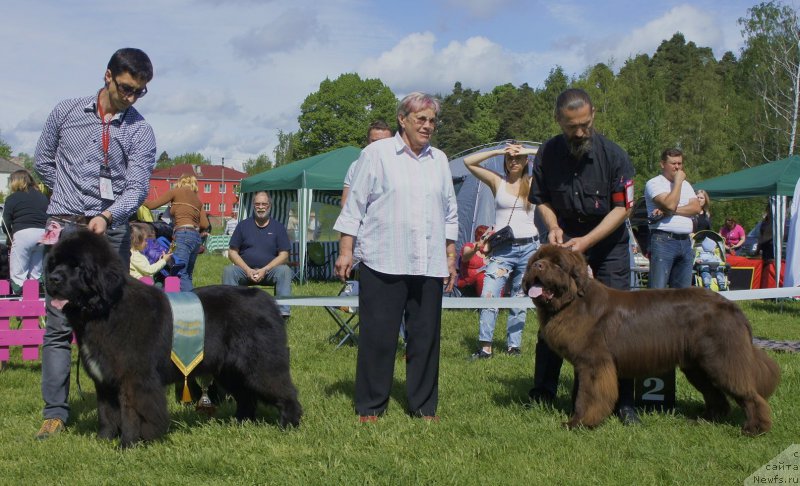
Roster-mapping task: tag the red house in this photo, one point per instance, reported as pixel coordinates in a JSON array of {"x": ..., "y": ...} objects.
[{"x": 217, "y": 186}]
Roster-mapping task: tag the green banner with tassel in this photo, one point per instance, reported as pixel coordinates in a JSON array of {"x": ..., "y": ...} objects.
[{"x": 188, "y": 334}]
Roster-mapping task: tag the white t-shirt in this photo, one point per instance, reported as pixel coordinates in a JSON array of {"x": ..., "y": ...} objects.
[{"x": 674, "y": 224}]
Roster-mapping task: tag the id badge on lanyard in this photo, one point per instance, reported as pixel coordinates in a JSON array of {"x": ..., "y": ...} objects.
[{"x": 106, "y": 189}]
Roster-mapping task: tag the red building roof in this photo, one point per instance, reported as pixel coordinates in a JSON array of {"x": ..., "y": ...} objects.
[{"x": 201, "y": 172}]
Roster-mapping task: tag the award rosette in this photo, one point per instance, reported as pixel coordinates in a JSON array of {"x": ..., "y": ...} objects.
[{"x": 188, "y": 334}]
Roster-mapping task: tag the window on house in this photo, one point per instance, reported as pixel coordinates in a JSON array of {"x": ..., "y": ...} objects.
[
  {"x": 222, "y": 188},
  {"x": 207, "y": 188},
  {"x": 206, "y": 207},
  {"x": 222, "y": 208}
]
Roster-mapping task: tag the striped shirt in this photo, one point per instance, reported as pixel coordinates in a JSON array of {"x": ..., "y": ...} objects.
[
  {"x": 401, "y": 209},
  {"x": 70, "y": 152}
]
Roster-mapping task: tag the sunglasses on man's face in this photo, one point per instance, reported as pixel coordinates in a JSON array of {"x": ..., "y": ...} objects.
[{"x": 127, "y": 91}]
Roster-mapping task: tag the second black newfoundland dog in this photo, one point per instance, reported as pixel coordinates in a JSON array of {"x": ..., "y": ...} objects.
[
  {"x": 124, "y": 333},
  {"x": 607, "y": 333}
]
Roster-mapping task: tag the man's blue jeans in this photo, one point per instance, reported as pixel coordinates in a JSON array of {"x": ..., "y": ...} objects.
[
  {"x": 57, "y": 346},
  {"x": 671, "y": 262},
  {"x": 280, "y": 276}
]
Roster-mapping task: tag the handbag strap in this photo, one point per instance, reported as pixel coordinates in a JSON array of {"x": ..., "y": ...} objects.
[{"x": 508, "y": 223}]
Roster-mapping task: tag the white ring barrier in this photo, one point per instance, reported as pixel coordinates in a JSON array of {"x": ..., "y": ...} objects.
[{"x": 518, "y": 302}]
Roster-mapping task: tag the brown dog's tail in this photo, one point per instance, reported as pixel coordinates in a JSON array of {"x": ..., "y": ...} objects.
[{"x": 766, "y": 372}]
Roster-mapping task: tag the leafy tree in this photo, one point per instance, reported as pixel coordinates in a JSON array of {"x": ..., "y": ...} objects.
[
  {"x": 163, "y": 161},
  {"x": 454, "y": 132},
  {"x": 340, "y": 113},
  {"x": 193, "y": 158},
  {"x": 772, "y": 57},
  {"x": 258, "y": 165},
  {"x": 5, "y": 149},
  {"x": 285, "y": 150}
]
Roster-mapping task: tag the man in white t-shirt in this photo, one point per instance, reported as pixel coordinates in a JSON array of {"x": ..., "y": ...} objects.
[
  {"x": 377, "y": 130},
  {"x": 671, "y": 204}
]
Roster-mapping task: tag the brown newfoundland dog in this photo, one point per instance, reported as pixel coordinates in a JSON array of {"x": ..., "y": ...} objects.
[
  {"x": 607, "y": 333},
  {"x": 124, "y": 333}
]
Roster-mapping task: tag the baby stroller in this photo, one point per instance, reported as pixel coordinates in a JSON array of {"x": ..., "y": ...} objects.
[{"x": 710, "y": 267}]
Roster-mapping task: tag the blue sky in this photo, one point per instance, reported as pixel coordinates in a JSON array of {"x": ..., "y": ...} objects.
[{"x": 230, "y": 73}]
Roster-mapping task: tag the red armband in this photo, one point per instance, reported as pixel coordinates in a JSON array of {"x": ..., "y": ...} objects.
[{"x": 623, "y": 198}]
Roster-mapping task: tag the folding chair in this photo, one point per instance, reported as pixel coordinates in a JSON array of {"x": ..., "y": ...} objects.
[
  {"x": 317, "y": 262},
  {"x": 345, "y": 317}
]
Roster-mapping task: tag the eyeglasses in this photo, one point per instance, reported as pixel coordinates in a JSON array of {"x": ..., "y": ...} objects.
[
  {"x": 422, "y": 120},
  {"x": 127, "y": 91}
]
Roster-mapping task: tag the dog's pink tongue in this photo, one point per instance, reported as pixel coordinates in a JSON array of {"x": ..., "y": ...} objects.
[
  {"x": 58, "y": 303},
  {"x": 534, "y": 291}
]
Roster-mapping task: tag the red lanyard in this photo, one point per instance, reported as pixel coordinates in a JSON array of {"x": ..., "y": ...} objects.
[{"x": 106, "y": 136}]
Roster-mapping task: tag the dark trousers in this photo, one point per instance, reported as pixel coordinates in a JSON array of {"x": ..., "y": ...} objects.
[
  {"x": 382, "y": 301},
  {"x": 57, "y": 344},
  {"x": 610, "y": 263}
]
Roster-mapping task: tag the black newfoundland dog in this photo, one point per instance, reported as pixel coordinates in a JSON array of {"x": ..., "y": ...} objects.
[
  {"x": 124, "y": 333},
  {"x": 606, "y": 333}
]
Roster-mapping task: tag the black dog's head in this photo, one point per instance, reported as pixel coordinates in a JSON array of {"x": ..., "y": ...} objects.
[
  {"x": 555, "y": 277},
  {"x": 84, "y": 274}
]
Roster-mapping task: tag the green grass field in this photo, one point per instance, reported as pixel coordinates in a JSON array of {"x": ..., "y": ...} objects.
[{"x": 487, "y": 435}]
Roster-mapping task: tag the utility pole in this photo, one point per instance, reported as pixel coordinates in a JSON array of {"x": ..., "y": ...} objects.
[{"x": 224, "y": 190}]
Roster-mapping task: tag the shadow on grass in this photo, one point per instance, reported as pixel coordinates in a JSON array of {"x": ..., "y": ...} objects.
[
  {"x": 348, "y": 388},
  {"x": 783, "y": 308}
]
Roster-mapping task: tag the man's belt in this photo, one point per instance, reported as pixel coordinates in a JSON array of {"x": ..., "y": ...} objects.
[
  {"x": 72, "y": 218},
  {"x": 524, "y": 241},
  {"x": 669, "y": 234}
]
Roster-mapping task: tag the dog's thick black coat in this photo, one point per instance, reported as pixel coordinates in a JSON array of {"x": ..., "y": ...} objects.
[{"x": 124, "y": 333}]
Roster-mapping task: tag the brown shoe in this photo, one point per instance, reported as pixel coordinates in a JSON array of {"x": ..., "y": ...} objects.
[
  {"x": 49, "y": 428},
  {"x": 367, "y": 419},
  {"x": 431, "y": 418}
]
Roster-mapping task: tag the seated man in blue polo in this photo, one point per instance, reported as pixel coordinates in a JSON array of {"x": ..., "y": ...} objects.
[
  {"x": 259, "y": 250},
  {"x": 671, "y": 204}
]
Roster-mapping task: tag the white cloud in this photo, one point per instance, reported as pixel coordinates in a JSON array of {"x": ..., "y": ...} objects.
[
  {"x": 414, "y": 64},
  {"x": 203, "y": 101},
  {"x": 696, "y": 25},
  {"x": 290, "y": 30}
]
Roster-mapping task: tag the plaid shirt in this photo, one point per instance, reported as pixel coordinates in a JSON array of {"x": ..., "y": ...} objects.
[{"x": 70, "y": 153}]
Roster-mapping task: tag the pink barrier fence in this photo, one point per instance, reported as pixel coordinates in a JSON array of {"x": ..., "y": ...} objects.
[{"x": 28, "y": 309}]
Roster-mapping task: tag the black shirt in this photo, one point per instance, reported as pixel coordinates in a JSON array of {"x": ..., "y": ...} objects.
[
  {"x": 579, "y": 191},
  {"x": 24, "y": 210},
  {"x": 702, "y": 222}
]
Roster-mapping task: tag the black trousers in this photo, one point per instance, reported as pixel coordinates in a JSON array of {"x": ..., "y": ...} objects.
[
  {"x": 610, "y": 263},
  {"x": 383, "y": 300}
]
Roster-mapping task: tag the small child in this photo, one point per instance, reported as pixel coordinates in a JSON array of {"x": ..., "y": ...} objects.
[
  {"x": 708, "y": 258},
  {"x": 140, "y": 266}
]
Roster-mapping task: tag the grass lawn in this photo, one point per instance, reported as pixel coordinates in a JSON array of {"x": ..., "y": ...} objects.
[{"x": 486, "y": 435}]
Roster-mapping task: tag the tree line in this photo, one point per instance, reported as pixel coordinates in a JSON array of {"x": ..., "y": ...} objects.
[{"x": 725, "y": 114}]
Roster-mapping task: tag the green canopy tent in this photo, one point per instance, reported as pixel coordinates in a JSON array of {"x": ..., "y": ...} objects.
[
  {"x": 314, "y": 179},
  {"x": 776, "y": 180}
]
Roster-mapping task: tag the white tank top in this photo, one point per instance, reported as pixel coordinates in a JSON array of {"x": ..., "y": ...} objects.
[{"x": 521, "y": 221}]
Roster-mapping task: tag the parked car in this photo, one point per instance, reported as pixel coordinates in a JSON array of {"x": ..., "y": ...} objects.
[{"x": 750, "y": 247}]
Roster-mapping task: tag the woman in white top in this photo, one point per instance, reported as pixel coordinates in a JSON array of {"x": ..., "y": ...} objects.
[{"x": 508, "y": 261}]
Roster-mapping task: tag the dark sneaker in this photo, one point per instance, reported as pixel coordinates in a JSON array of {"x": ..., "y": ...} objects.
[
  {"x": 514, "y": 351},
  {"x": 480, "y": 354},
  {"x": 628, "y": 416},
  {"x": 541, "y": 397},
  {"x": 50, "y": 427}
]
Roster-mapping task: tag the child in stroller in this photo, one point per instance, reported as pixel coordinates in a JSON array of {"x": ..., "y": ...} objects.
[{"x": 709, "y": 258}]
